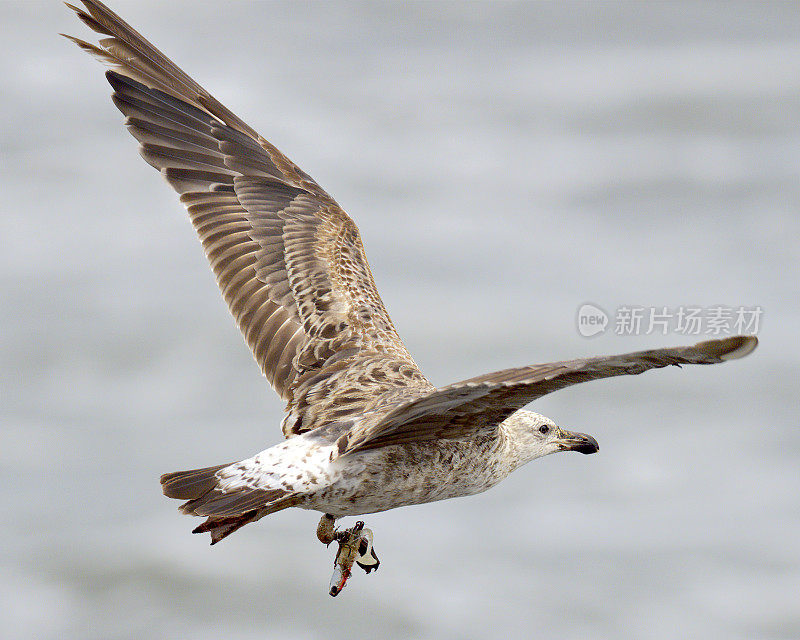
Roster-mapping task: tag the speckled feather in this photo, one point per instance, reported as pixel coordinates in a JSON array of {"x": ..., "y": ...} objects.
[
  {"x": 366, "y": 430},
  {"x": 289, "y": 262}
]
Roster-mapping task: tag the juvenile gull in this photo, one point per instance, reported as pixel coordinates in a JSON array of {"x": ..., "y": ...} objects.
[{"x": 365, "y": 429}]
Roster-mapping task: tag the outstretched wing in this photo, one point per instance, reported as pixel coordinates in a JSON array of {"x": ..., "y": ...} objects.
[
  {"x": 288, "y": 260},
  {"x": 467, "y": 408}
]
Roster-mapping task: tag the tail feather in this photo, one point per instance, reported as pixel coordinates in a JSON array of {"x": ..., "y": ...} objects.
[
  {"x": 217, "y": 503},
  {"x": 222, "y": 526},
  {"x": 228, "y": 510},
  {"x": 188, "y": 485}
]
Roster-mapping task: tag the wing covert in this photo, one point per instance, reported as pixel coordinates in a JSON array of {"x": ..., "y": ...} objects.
[
  {"x": 288, "y": 260},
  {"x": 466, "y": 409}
]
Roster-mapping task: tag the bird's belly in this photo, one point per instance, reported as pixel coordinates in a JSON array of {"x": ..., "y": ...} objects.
[{"x": 403, "y": 475}]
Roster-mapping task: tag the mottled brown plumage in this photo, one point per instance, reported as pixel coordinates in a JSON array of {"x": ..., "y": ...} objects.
[
  {"x": 288, "y": 260},
  {"x": 366, "y": 431}
]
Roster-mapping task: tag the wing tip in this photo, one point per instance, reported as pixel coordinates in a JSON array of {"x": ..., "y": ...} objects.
[
  {"x": 732, "y": 348},
  {"x": 742, "y": 346},
  {"x": 74, "y": 8}
]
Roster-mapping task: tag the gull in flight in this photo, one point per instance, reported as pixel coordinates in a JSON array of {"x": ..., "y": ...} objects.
[{"x": 365, "y": 430}]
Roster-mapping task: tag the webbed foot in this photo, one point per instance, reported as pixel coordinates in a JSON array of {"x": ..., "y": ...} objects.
[{"x": 355, "y": 547}]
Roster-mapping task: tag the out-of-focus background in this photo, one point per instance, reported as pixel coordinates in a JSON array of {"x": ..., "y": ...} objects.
[{"x": 506, "y": 163}]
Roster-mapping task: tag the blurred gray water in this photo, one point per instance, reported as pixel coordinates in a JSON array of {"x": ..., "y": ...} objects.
[{"x": 505, "y": 163}]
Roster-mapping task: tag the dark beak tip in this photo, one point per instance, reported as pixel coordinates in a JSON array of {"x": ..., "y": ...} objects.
[
  {"x": 587, "y": 446},
  {"x": 579, "y": 442}
]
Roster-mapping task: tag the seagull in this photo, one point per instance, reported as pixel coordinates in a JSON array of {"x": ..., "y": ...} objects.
[{"x": 365, "y": 430}]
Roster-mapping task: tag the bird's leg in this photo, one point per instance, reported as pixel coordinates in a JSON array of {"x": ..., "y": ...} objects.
[
  {"x": 355, "y": 546},
  {"x": 326, "y": 531}
]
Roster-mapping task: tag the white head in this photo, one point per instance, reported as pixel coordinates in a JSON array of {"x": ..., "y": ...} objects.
[{"x": 532, "y": 435}]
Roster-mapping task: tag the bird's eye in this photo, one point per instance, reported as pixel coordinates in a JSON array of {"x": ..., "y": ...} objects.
[{"x": 544, "y": 429}]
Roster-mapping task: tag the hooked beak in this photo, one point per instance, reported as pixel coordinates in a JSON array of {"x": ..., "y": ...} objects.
[{"x": 574, "y": 441}]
